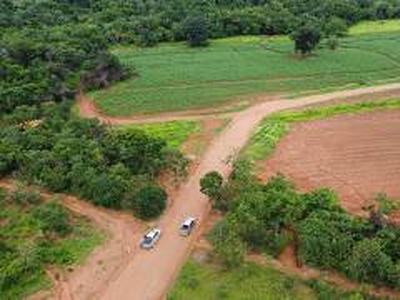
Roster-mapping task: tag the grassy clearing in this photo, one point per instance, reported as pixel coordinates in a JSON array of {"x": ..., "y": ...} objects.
[
  {"x": 173, "y": 77},
  {"x": 250, "y": 281},
  {"x": 26, "y": 250},
  {"x": 175, "y": 133},
  {"x": 273, "y": 128},
  {"x": 375, "y": 26}
]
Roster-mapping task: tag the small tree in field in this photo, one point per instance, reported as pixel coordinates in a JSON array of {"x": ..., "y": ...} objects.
[
  {"x": 150, "y": 202},
  {"x": 306, "y": 39},
  {"x": 196, "y": 32}
]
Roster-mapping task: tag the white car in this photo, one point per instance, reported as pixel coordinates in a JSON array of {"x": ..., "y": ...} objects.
[
  {"x": 150, "y": 238},
  {"x": 187, "y": 226}
]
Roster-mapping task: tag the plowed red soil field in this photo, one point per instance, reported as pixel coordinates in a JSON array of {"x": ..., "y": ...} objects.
[{"x": 356, "y": 155}]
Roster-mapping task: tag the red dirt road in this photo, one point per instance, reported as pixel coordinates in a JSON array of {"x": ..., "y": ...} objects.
[
  {"x": 356, "y": 155},
  {"x": 149, "y": 274}
]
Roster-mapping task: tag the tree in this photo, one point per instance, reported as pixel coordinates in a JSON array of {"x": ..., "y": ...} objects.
[
  {"x": 150, "y": 202},
  {"x": 306, "y": 38},
  {"x": 335, "y": 27},
  {"x": 211, "y": 184},
  {"x": 196, "y": 31},
  {"x": 383, "y": 10}
]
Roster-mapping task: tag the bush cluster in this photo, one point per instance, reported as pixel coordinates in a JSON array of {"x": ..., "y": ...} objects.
[
  {"x": 267, "y": 217},
  {"x": 68, "y": 154},
  {"x": 29, "y": 240}
]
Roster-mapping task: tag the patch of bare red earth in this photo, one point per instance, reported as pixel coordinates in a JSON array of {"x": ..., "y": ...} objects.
[{"x": 356, "y": 155}]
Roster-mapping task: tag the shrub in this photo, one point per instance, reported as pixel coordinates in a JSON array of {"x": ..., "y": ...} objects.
[
  {"x": 22, "y": 196},
  {"x": 368, "y": 263},
  {"x": 332, "y": 42},
  {"x": 3, "y": 195},
  {"x": 150, "y": 202},
  {"x": 53, "y": 218},
  {"x": 228, "y": 247}
]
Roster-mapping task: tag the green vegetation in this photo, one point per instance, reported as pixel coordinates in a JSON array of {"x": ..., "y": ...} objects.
[
  {"x": 267, "y": 217},
  {"x": 233, "y": 68},
  {"x": 66, "y": 154},
  {"x": 249, "y": 281},
  {"x": 368, "y": 27},
  {"x": 175, "y": 133},
  {"x": 52, "y": 64},
  {"x": 35, "y": 235},
  {"x": 274, "y": 127},
  {"x": 150, "y": 202}
]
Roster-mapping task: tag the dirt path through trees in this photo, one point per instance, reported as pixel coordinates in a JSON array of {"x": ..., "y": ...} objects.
[{"x": 119, "y": 269}]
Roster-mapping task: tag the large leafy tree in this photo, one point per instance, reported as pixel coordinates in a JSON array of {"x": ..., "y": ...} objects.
[
  {"x": 196, "y": 31},
  {"x": 306, "y": 38}
]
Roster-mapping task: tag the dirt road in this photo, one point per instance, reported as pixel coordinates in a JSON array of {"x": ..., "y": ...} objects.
[{"x": 149, "y": 274}]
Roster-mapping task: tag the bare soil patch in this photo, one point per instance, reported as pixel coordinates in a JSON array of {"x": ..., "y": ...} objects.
[{"x": 356, "y": 155}]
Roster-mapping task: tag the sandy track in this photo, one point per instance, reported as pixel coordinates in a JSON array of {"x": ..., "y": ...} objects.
[
  {"x": 356, "y": 155},
  {"x": 149, "y": 274}
]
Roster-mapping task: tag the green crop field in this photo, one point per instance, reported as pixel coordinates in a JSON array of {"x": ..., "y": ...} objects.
[
  {"x": 208, "y": 281},
  {"x": 175, "y": 133},
  {"x": 173, "y": 77},
  {"x": 274, "y": 127}
]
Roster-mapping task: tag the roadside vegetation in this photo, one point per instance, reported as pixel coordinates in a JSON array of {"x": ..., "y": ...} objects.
[
  {"x": 273, "y": 128},
  {"x": 268, "y": 217},
  {"x": 37, "y": 234},
  {"x": 249, "y": 281},
  {"x": 111, "y": 168},
  {"x": 175, "y": 133}
]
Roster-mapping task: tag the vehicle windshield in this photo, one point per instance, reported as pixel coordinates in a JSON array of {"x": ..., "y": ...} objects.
[{"x": 147, "y": 240}]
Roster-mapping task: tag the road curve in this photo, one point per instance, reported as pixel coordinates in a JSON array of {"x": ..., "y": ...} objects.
[{"x": 149, "y": 274}]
